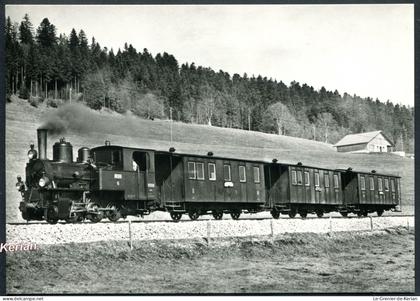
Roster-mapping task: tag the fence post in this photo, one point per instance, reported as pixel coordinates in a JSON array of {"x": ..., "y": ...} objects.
[
  {"x": 129, "y": 235},
  {"x": 208, "y": 232},
  {"x": 331, "y": 229},
  {"x": 272, "y": 231},
  {"x": 371, "y": 223}
]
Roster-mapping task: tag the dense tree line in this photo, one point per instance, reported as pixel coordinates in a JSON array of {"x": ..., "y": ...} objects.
[{"x": 42, "y": 65}]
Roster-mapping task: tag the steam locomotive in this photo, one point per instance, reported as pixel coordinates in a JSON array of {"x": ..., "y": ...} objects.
[{"x": 113, "y": 182}]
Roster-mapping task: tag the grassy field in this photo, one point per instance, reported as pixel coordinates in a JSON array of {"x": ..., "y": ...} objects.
[
  {"x": 364, "y": 262},
  {"x": 91, "y": 128}
]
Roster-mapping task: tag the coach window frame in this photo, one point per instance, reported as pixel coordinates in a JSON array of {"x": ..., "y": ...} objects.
[
  {"x": 336, "y": 181},
  {"x": 294, "y": 177},
  {"x": 193, "y": 175},
  {"x": 258, "y": 178},
  {"x": 227, "y": 179},
  {"x": 202, "y": 176},
  {"x": 299, "y": 177},
  {"x": 371, "y": 183},
  {"x": 307, "y": 178},
  {"x": 242, "y": 172},
  {"x": 212, "y": 172},
  {"x": 362, "y": 183}
]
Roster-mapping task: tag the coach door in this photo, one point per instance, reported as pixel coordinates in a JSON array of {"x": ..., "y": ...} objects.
[
  {"x": 298, "y": 195},
  {"x": 387, "y": 193},
  {"x": 317, "y": 184},
  {"x": 227, "y": 181},
  {"x": 381, "y": 195},
  {"x": 336, "y": 186},
  {"x": 145, "y": 177}
]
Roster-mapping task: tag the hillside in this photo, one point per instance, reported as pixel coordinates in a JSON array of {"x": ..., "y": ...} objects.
[{"x": 83, "y": 127}]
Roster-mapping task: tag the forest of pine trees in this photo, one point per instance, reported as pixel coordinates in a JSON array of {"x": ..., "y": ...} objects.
[{"x": 45, "y": 66}]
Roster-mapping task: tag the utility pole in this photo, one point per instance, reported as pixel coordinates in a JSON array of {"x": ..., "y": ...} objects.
[{"x": 170, "y": 121}]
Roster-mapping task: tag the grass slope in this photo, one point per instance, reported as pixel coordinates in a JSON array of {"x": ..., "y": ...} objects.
[{"x": 90, "y": 128}]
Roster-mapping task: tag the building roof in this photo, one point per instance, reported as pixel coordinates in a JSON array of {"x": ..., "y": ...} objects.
[{"x": 361, "y": 138}]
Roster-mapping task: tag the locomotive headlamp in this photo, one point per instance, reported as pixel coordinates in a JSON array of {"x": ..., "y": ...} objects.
[{"x": 43, "y": 181}]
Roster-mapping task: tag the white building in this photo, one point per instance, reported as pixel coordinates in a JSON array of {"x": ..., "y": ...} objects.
[{"x": 365, "y": 143}]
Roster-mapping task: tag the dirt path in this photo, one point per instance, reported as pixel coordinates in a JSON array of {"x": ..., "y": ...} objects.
[{"x": 381, "y": 261}]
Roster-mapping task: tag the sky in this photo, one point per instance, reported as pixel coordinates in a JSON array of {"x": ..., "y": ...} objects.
[{"x": 367, "y": 50}]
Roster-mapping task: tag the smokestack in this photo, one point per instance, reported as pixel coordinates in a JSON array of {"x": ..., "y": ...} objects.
[{"x": 42, "y": 143}]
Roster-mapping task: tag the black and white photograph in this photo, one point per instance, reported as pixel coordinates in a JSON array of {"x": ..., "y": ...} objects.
[{"x": 209, "y": 149}]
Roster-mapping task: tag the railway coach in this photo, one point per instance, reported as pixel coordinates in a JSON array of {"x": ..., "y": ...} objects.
[
  {"x": 364, "y": 192},
  {"x": 293, "y": 189}
]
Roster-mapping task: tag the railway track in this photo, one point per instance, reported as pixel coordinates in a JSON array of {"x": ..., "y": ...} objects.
[{"x": 205, "y": 219}]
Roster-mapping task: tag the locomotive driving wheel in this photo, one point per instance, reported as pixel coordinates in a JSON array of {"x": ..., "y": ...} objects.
[
  {"x": 194, "y": 215},
  {"x": 217, "y": 214},
  {"x": 235, "y": 215},
  {"x": 94, "y": 215},
  {"x": 114, "y": 214},
  {"x": 380, "y": 212},
  {"x": 52, "y": 215},
  {"x": 320, "y": 214}
]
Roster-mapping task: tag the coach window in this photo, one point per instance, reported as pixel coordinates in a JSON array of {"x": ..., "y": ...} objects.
[
  {"x": 386, "y": 182},
  {"x": 256, "y": 174},
  {"x": 294, "y": 179},
  {"x": 299, "y": 177},
  {"x": 242, "y": 173},
  {"x": 336, "y": 185},
  {"x": 212, "y": 171},
  {"x": 307, "y": 181},
  {"x": 362, "y": 183},
  {"x": 191, "y": 170},
  {"x": 199, "y": 170},
  {"x": 327, "y": 181},
  {"x": 392, "y": 185},
  {"x": 379, "y": 184},
  {"x": 371, "y": 183},
  {"x": 316, "y": 179},
  {"x": 226, "y": 172}
]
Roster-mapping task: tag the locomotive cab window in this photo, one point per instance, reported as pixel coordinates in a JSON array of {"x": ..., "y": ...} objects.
[
  {"x": 307, "y": 181},
  {"x": 191, "y": 170},
  {"x": 140, "y": 161},
  {"x": 200, "y": 171},
  {"x": 256, "y": 174},
  {"x": 371, "y": 183},
  {"x": 242, "y": 173},
  {"x": 336, "y": 184},
  {"x": 116, "y": 157},
  {"x": 212, "y": 171},
  {"x": 362, "y": 183},
  {"x": 226, "y": 173},
  {"x": 294, "y": 178}
]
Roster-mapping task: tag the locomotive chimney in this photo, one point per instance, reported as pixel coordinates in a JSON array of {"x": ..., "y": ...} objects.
[{"x": 42, "y": 143}]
